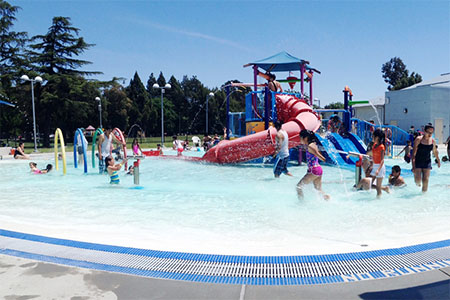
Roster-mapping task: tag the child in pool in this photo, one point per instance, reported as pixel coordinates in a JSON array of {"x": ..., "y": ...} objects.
[
  {"x": 314, "y": 174},
  {"x": 136, "y": 147},
  {"x": 47, "y": 169},
  {"x": 113, "y": 169},
  {"x": 395, "y": 179},
  {"x": 158, "y": 148},
  {"x": 130, "y": 170},
  {"x": 34, "y": 168},
  {"x": 408, "y": 152},
  {"x": 378, "y": 152}
]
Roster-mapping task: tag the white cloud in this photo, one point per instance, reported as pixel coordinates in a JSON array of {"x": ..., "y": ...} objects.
[{"x": 192, "y": 34}]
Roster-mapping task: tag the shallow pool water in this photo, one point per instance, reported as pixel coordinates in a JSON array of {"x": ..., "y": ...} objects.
[{"x": 194, "y": 207}]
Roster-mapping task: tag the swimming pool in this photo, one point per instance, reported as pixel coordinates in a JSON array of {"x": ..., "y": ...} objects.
[{"x": 239, "y": 210}]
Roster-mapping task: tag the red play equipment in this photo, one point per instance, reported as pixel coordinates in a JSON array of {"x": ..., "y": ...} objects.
[{"x": 295, "y": 114}]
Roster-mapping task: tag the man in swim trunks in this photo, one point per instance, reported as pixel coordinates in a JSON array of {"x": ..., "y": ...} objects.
[
  {"x": 281, "y": 151},
  {"x": 104, "y": 148}
]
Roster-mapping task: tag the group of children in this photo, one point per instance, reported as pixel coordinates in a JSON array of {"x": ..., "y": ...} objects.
[{"x": 373, "y": 165}]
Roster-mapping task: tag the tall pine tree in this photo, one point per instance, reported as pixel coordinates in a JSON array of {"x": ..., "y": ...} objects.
[
  {"x": 63, "y": 98},
  {"x": 139, "y": 98},
  {"x": 12, "y": 65}
]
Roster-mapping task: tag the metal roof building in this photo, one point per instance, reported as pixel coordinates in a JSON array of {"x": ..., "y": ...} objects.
[{"x": 419, "y": 104}]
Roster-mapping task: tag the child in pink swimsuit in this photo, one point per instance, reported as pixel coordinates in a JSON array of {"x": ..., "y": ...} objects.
[
  {"x": 136, "y": 147},
  {"x": 314, "y": 173}
]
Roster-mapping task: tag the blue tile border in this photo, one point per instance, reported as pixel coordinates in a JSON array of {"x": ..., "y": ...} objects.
[
  {"x": 228, "y": 258},
  {"x": 240, "y": 262}
]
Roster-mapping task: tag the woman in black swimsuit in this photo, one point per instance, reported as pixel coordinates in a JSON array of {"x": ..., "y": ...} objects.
[
  {"x": 19, "y": 152},
  {"x": 421, "y": 157}
]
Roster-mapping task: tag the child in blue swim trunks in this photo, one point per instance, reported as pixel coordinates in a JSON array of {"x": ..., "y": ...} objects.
[{"x": 314, "y": 173}]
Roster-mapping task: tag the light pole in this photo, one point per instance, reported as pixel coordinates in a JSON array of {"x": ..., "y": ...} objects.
[
  {"x": 162, "y": 88},
  {"x": 99, "y": 110},
  {"x": 36, "y": 79},
  {"x": 317, "y": 100},
  {"x": 210, "y": 95}
]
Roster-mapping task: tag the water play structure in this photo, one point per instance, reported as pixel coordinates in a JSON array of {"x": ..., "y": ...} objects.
[
  {"x": 79, "y": 133},
  {"x": 263, "y": 107},
  {"x": 254, "y": 138},
  {"x": 295, "y": 114},
  {"x": 58, "y": 134},
  {"x": 94, "y": 140}
]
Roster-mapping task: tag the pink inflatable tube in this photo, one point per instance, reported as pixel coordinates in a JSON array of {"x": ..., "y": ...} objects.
[{"x": 295, "y": 114}]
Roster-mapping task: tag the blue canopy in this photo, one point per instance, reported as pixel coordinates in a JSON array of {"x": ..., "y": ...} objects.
[
  {"x": 7, "y": 103},
  {"x": 281, "y": 62}
]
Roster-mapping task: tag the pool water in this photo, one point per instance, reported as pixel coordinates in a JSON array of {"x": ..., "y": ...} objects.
[{"x": 194, "y": 207}]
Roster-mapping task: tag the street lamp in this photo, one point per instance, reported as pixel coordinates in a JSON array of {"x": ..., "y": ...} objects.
[
  {"x": 210, "y": 95},
  {"x": 317, "y": 100},
  {"x": 99, "y": 110},
  {"x": 162, "y": 88},
  {"x": 36, "y": 79}
]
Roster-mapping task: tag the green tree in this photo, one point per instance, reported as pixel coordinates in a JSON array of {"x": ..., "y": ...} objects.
[
  {"x": 139, "y": 97},
  {"x": 66, "y": 98},
  {"x": 11, "y": 45},
  {"x": 55, "y": 51},
  {"x": 150, "y": 82},
  {"x": 118, "y": 106},
  {"x": 397, "y": 76},
  {"x": 195, "y": 94},
  {"x": 407, "y": 81},
  {"x": 12, "y": 64},
  {"x": 176, "y": 96},
  {"x": 170, "y": 115},
  {"x": 335, "y": 105}
]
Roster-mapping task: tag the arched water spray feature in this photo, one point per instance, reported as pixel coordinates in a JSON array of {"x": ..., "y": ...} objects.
[{"x": 131, "y": 128}]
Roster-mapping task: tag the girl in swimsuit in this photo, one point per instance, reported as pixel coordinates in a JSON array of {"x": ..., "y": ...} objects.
[
  {"x": 314, "y": 173},
  {"x": 421, "y": 157},
  {"x": 378, "y": 152},
  {"x": 34, "y": 168},
  {"x": 136, "y": 147},
  {"x": 113, "y": 169}
]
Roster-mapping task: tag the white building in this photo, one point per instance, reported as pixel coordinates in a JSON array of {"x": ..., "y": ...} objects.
[
  {"x": 373, "y": 111},
  {"x": 419, "y": 104}
]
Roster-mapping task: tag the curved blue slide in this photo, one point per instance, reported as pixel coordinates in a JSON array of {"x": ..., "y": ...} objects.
[
  {"x": 345, "y": 145},
  {"x": 328, "y": 150}
]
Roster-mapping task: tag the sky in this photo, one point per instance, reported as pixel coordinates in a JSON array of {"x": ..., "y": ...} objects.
[{"x": 348, "y": 41}]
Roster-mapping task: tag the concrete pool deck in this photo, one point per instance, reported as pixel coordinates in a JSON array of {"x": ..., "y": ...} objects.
[{"x": 30, "y": 279}]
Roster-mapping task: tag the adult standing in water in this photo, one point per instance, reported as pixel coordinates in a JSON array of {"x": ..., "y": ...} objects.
[
  {"x": 104, "y": 148},
  {"x": 281, "y": 151},
  {"x": 421, "y": 157}
]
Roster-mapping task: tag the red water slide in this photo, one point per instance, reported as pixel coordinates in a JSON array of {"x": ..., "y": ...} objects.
[{"x": 295, "y": 114}]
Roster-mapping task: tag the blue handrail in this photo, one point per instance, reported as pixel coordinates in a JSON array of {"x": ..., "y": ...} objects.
[{"x": 364, "y": 130}]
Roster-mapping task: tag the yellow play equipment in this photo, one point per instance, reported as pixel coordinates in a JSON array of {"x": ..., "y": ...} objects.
[{"x": 58, "y": 133}]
